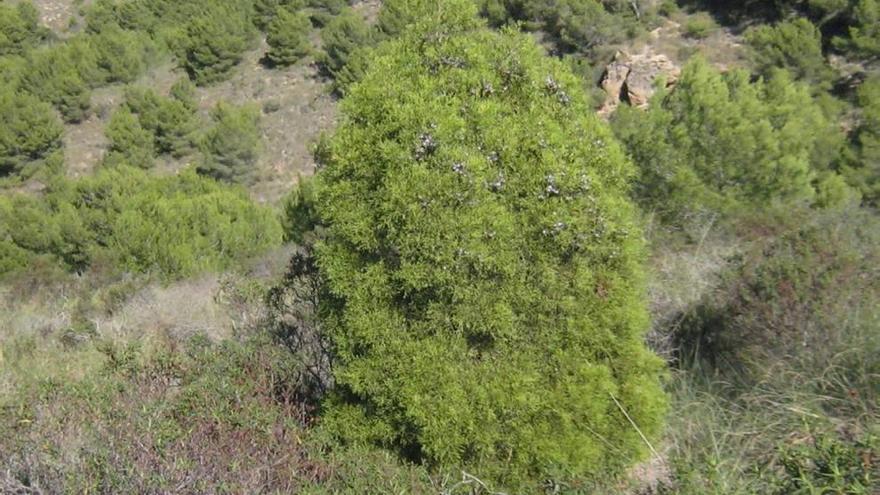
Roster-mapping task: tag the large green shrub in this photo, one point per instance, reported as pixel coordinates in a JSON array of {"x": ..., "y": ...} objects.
[
  {"x": 288, "y": 37},
  {"x": 345, "y": 36},
  {"x": 864, "y": 33},
  {"x": 574, "y": 25},
  {"x": 29, "y": 131},
  {"x": 174, "y": 226},
  {"x": 120, "y": 56},
  {"x": 864, "y": 172},
  {"x": 19, "y": 28},
  {"x": 794, "y": 45},
  {"x": 231, "y": 147},
  {"x": 53, "y": 74},
  {"x": 130, "y": 143},
  {"x": 215, "y": 41},
  {"x": 719, "y": 143},
  {"x": 266, "y": 10},
  {"x": 482, "y": 263},
  {"x": 171, "y": 121}
]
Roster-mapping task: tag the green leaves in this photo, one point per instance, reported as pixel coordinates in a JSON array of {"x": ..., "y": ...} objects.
[
  {"x": 29, "y": 132},
  {"x": 794, "y": 45},
  {"x": 287, "y": 36},
  {"x": 719, "y": 143},
  {"x": 215, "y": 41},
  {"x": 343, "y": 39},
  {"x": 19, "y": 28},
  {"x": 174, "y": 226},
  {"x": 231, "y": 146},
  {"x": 483, "y": 260}
]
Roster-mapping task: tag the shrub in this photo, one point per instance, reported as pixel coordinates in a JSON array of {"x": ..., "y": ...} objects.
[
  {"x": 53, "y": 76},
  {"x": 864, "y": 34},
  {"x": 794, "y": 45},
  {"x": 481, "y": 263},
  {"x": 174, "y": 226},
  {"x": 719, "y": 143},
  {"x": 575, "y": 25},
  {"x": 800, "y": 297},
  {"x": 230, "y": 148},
  {"x": 396, "y": 15},
  {"x": 322, "y": 12},
  {"x": 266, "y": 10},
  {"x": 864, "y": 173},
  {"x": 215, "y": 41},
  {"x": 342, "y": 38},
  {"x": 171, "y": 121},
  {"x": 130, "y": 143},
  {"x": 121, "y": 56},
  {"x": 184, "y": 92},
  {"x": 287, "y": 36},
  {"x": 699, "y": 27},
  {"x": 29, "y": 132},
  {"x": 19, "y": 28}
]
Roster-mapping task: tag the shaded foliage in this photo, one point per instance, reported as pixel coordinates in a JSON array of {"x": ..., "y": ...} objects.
[
  {"x": 230, "y": 147},
  {"x": 287, "y": 36},
  {"x": 343, "y": 38},
  {"x": 719, "y": 143},
  {"x": 29, "y": 132}
]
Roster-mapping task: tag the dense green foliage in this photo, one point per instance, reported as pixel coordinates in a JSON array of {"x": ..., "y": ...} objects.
[
  {"x": 231, "y": 146},
  {"x": 19, "y": 28},
  {"x": 130, "y": 143},
  {"x": 575, "y": 25},
  {"x": 215, "y": 42},
  {"x": 29, "y": 132},
  {"x": 173, "y": 226},
  {"x": 465, "y": 299},
  {"x": 170, "y": 121},
  {"x": 345, "y": 39},
  {"x": 287, "y": 36},
  {"x": 794, "y": 45},
  {"x": 482, "y": 262},
  {"x": 719, "y": 143},
  {"x": 864, "y": 173}
]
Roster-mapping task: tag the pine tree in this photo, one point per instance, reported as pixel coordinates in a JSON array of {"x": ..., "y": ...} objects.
[
  {"x": 719, "y": 143},
  {"x": 215, "y": 42},
  {"x": 287, "y": 36},
  {"x": 130, "y": 143},
  {"x": 29, "y": 131},
  {"x": 231, "y": 146},
  {"x": 343, "y": 38}
]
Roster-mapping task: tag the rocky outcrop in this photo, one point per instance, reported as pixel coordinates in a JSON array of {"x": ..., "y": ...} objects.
[{"x": 633, "y": 78}]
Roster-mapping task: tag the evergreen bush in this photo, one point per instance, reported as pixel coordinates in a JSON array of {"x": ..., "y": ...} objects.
[
  {"x": 215, "y": 41},
  {"x": 174, "y": 226},
  {"x": 345, "y": 36},
  {"x": 482, "y": 264},
  {"x": 288, "y": 37},
  {"x": 231, "y": 147},
  {"x": 719, "y": 143},
  {"x": 29, "y": 131}
]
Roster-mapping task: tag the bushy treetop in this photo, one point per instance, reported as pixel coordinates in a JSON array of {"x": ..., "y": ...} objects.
[
  {"x": 173, "y": 226},
  {"x": 720, "y": 142},
  {"x": 482, "y": 261}
]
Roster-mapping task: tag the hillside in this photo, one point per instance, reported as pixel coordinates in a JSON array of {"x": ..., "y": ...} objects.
[{"x": 455, "y": 247}]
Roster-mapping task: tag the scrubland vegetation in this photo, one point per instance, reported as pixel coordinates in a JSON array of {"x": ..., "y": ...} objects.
[{"x": 484, "y": 286}]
